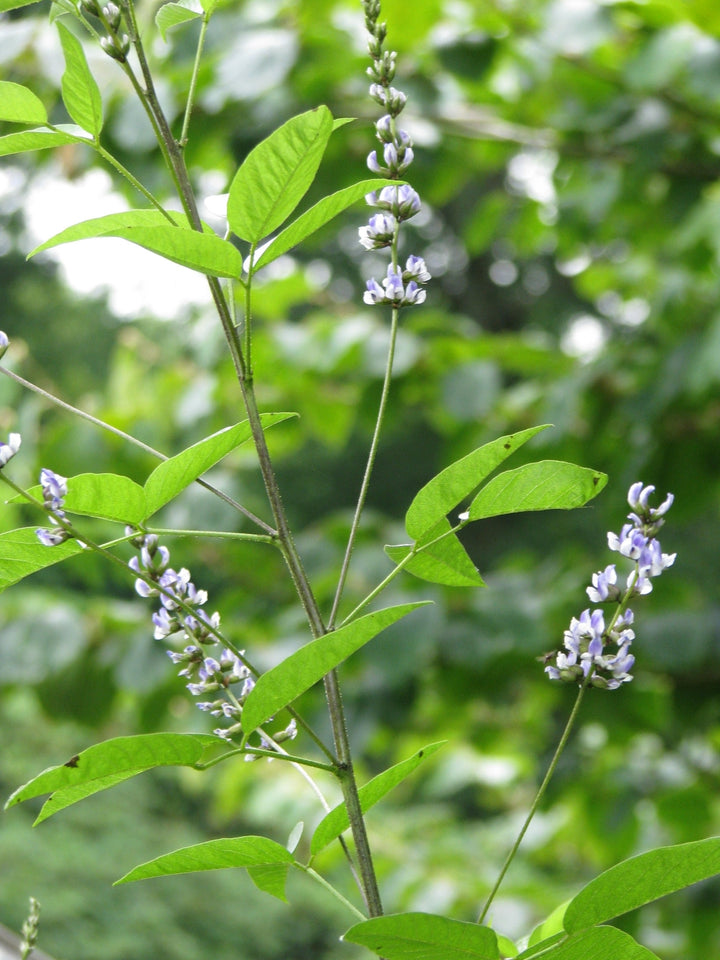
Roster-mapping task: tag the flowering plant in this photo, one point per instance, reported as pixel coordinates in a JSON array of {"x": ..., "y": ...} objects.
[{"x": 244, "y": 700}]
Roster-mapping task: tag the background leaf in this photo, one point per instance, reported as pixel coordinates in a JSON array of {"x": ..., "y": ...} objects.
[
  {"x": 546, "y": 485},
  {"x": 173, "y": 14},
  {"x": 642, "y": 879},
  {"x": 276, "y": 174},
  {"x": 424, "y": 936},
  {"x": 80, "y": 92},
  {"x": 212, "y": 855},
  {"x": 20, "y": 105},
  {"x": 336, "y": 821},
  {"x": 297, "y": 673}
]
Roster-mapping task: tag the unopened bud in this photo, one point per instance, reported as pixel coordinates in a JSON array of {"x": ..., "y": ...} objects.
[{"x": 4, "y": 343}]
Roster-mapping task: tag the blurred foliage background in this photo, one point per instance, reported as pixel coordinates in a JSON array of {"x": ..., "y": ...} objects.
[{"x": 567, "y": 153}]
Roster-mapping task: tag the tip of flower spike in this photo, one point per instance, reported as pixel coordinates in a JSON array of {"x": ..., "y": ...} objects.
[
  {"x": 4, "y": 343},
  {"x": 9, "y": 449}
]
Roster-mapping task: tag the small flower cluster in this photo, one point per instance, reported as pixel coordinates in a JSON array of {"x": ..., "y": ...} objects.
[
  {"x": 9, "y": 449},
  {"x": 54, "y": 488},
  {"x": 114, "y": 43},
  {"x": 585, "y": 657},
  {"x": 206, "y": 663},
  {"x": 401, "y": 287}
]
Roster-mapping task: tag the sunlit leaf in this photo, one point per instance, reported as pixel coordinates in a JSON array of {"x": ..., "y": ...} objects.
[
  {"x": 176, "y": 473},
  {"x": 270, "y": 878},
  {"x": 106, "y": 495},
  {"x": 205, "y": 252},
  {"x": 297, "y": 673},
  {"x": 276, "y": 174},
  {"x": 20, "y": 105},
  {"x": 443, "y": 562},
  {"x": 424, "y": 936},
  {"x": 597, "y": 943},
  {"x": 21, "y": 554},
  {"x": 317, "y": 216},
  {"x": 212, "y": 855},
  {"x": 174, "y": 14},
  {"x": 105, "y": 764},
  {"x": 444, "y": 492},
  {"x": 546, "y": 485},
  {"x": 642, "y": 879},
  {"x": 336, "y": 821},
  {"x": 80, "y": 92},
  {"x": 29, "y": 140}
]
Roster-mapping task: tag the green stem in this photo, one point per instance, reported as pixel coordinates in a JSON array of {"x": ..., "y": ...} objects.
[
  {"x": 123, "y": 171},
  {"x": 331, "y": 889},
  {"x": 138, "y": 443},
  {"x": 372, "y": 454},
  {"x": 193, "y": 82},
  {"x": 538, "y": 797},
  {"x": 220, "y": 534}
]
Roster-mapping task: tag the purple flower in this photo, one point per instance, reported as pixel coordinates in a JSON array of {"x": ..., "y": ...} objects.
[
  {"x": 54, "y": 488},
  {"x": 9, "y": 449},
  {"x": 379, "y": 232},
  {"x": 52, "y": 537},
  {"x": 603, "y": 585},
  {"x": 4, "y": 343}
]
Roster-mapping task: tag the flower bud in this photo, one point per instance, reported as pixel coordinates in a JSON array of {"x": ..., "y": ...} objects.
[{"x": 4, "y": 343}]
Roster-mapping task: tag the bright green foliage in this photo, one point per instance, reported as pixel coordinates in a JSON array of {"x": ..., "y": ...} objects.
[
  {"x": 642, "y": 879},
  {"x": 445, "y": 491},
  {"x": 212, "y": 855},
  {"x": 174, "y": 14},
  {"x": 597, "y": 943},
  {"x": 21, "y": 554},
  {"x": 31, "y": 140},
  {"x": 80, "y": 92},
  {"x": 548, "y": 485},
  {"x": 151, "y": 229},
  {"x": 336, "y": 822},
  {"x": 276, "y": 174},
  {"x": 277, "y": 688},
  {"x": 317, "y": 216},
  {"x": 105, "y": 764},
  {"x": 270, "y": 878},
  {"x": 20, "y": 105},
  {"x": 423, "y": 936},
  {"x": 444, "y": 561}
]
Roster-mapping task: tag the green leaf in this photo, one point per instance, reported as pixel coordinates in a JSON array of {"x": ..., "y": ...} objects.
[
  {"x": 80, "y": 92},
  {"x": 276, "y": 175},
  {"x": 211, "y": 855},
  {"x": 173, "y": 475},
  {"x": 507, "y": 947},
  {"x": 550, "y": 926},
  {"x": 105, "y": 495},
  {"x": 205, "y": 252},
  {"x": 173, "y": 14},
  {"x": 6, "y": 5},
  {"x": 317, "y": 216},
  {"x": 34, "y": 140},
  {"x": 547, "y": 485},
  {"x": 20, "y": 105},
  {"x": 284, "y": 683},
  {"x": 445, "y": 491},
  {"x": 641, "y": 879},
  {"x": 424, "y": 936},
  {"x": 104, "y": 764},
  {"x": 336, "y": 821},
  {"x": 22, "y": 554},
  {"x": 597, "y": 943},
  {"x": 443, "y": 562},
  {"x": 270, "y": 878}
]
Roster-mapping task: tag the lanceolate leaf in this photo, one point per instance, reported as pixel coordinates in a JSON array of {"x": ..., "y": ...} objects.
[
  {"x": 205, "y": 252},
  {"x": 597, "y": 943},
  {"x": 642, "y": 879},
  {"x": 22, "y": 554},
  {"x": 276, "y": 175},
  {"x": 453, "y": 484},
  {"x": 424, "y": 936},
  {"x": 212, "y": 855},
  {"x": 103, "y": 765},
  {"x": 336, "y": 822},
  {"x": 547, "y": 485},
  {"x": 6, "y": 5},
  {"x": 317, "y": 216},
  {"x": 173, "y": 14},
  {"x": 34, "y": 140},
  {"x": 106, "y": 495},
  {"x": 173, "y": 475},
  {"x": 443, "y": 562},
  {"x": 80, "y": 92},
  {"x": 270, "y": 878},
  {"x": 20, "y": 105},
  {"x": 280, "y": 686}
]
